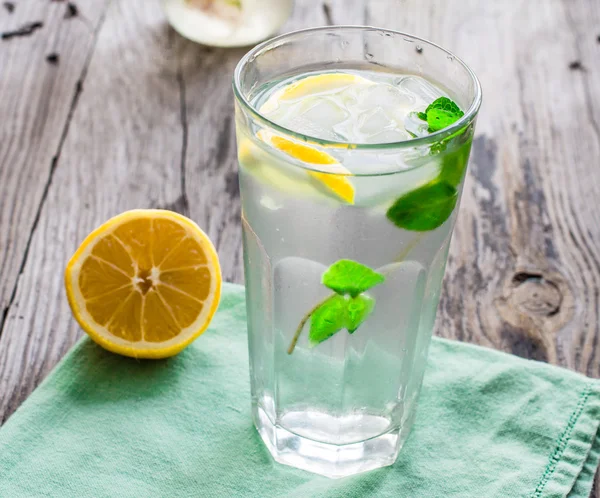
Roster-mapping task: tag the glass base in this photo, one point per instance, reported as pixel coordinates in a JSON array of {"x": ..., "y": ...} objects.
[{"x": 330, "y": 460}]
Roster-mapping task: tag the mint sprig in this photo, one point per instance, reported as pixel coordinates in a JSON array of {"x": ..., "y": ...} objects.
[
  {"x": 440, "y": 114},
  {"x": 429, "y": 206},
  {"x": 347, "y": 309}
]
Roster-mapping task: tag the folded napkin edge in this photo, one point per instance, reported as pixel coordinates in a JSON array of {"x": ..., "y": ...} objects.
[{"x": 574, "y": 448}]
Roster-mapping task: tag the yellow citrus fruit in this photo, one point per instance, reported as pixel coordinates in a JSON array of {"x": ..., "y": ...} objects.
[
  {"x": 314, "y": 84},
  {"x": 334, "y": 180},
  {"x": 144, "y": 284}
]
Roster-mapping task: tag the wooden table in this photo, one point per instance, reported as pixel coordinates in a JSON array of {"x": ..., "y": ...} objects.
[{"x": 104, "y": 108}]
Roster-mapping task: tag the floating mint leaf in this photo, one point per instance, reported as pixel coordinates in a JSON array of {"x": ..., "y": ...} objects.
[
  {"x": 358, "y": 309},
  {"x": 328, "y": 319},
  {"x": 440, "y": 114},
  {"x": 349, "y": 277},
  {"x": 445, "y": 104},
  {"x": 438, "y": 119},
  {"x": 425, "y": 208}
]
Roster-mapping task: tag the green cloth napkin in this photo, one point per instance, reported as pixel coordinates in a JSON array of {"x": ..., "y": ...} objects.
[{"x": 488, "y": 425}]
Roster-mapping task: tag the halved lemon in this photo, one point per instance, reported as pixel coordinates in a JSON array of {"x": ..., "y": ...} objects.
[
  {"x": 335, "y": 180},
  {"x": 144, "y": 284}
]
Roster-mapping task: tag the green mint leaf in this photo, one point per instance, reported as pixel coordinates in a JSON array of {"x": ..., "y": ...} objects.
[
  {"x": 349, "y": 277},
  {"x": 441, "y": 113},
  {"x": 454, "y": 163},
  {"x": 445, "y": 104},
  {"x": 358, "y": 309},
  {"x": 328, "y": 319},
  {"x": 438, "y": 119},
  {"x": 425, "y": 208}
]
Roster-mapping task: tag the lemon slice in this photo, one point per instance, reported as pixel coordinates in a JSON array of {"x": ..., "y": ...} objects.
[
  {"x": 335, "y": 180},
  {"x": 316, "y": 84},
  {"x": 144, "y": 284}
]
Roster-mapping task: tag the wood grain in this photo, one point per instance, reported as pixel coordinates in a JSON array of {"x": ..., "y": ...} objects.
[
  {"x": 36, "y": 100},
  {"x": 150, "y": 125},
  {"x": 211, "y": 184},
  {"x": 123, "y": 150}
]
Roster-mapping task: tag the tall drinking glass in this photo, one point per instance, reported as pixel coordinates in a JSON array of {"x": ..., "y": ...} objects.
[{"x": 345, "y": 245}]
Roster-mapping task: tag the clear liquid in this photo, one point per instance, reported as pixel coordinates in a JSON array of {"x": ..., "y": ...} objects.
[
  {"x": 378, "y": 107},
  {"x": 352, "y": 389}
]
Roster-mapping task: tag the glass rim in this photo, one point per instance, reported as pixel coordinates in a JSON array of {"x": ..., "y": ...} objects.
[{"x": 432, "y": 138}]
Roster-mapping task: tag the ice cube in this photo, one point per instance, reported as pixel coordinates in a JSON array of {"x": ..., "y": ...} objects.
[
  {"x": 374, "y": 121},
  {"x": 388, "y": 136},
  {"x": 297, "y": 288},
  {"x": 420, "y": 88},
  {"x": 326, "y": 112},
  {"x": 415, "y": 125},
  {"x": 316, "y": 117},
  {"x": 386, "y": 96},
  {"x": 300, "y": 124}
]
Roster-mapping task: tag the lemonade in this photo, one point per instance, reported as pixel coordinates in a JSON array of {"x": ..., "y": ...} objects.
[{"x": 350, "y": 180}]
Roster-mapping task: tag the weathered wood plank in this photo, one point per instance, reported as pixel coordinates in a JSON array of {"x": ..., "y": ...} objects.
[
  {"x": 122, "y": 151},
  {"x": 36, "y": 99},
  {"x": 211, "y": 184}
]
